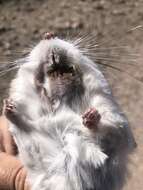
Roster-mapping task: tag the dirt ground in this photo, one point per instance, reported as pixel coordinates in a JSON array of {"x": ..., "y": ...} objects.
[{"x": 113, "y": 21}]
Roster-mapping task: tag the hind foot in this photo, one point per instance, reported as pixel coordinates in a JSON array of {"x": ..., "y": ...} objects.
[{"x": 91, "y": 118}]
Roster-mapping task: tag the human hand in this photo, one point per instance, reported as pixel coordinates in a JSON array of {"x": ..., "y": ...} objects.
[{"x": 12, "y": 173}]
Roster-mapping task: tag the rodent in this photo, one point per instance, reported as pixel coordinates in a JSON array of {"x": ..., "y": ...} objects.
[{"x": 70, "y": 132}]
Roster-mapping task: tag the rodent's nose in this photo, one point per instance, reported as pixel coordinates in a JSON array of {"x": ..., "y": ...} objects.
[{"x": 48, "y": 36}]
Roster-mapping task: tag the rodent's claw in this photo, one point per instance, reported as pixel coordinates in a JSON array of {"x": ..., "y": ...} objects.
[
  {"x": 91, "y": 118},
  {"x": 9, "y": 108}
]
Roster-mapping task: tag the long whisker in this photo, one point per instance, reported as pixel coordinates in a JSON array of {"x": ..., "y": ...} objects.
[
  {"x": 8, "y": 70},
  {"x": 5, "y": 68},
  {"x": 85, "y": 39},
  {"x": 114, "y": 59},
  {"x": 135, "y": 28},
  {"x": 121, "y": 70},
  {"x": 112, "y": 54},
  {"x": 123, "y": 47},
  {"x": 7, "y": 65}
]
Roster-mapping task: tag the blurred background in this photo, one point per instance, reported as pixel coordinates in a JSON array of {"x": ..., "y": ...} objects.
[{"x": 114, "y": 25}]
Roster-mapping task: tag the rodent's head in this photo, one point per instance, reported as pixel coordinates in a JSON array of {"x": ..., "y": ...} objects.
[{"x": 57, "y": 62}]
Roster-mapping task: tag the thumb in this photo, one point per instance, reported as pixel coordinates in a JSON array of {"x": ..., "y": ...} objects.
[{"x": 12, "y": 173}]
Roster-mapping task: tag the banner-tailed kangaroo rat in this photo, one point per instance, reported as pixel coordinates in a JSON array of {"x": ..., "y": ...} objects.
[{"x": 70, "y": 133}]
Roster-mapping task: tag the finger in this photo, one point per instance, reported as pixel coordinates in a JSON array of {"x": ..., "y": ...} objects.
[
  {"x": 12, "y": 173},
  {"x": 1, "y": 143},
  {"x": 6, "y": 141},
  {"x": 20, "y": 180}
]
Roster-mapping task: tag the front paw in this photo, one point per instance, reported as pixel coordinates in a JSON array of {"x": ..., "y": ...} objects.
[
  {"x": 9, "y": 109},
  {"x": 91, "y": 118}
]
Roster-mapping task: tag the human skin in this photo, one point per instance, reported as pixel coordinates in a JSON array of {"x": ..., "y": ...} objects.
[{"x": 12, "y": 172}]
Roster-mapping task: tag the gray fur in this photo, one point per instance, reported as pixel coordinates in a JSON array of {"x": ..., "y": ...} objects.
[{"x": 58, "y": 151}]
